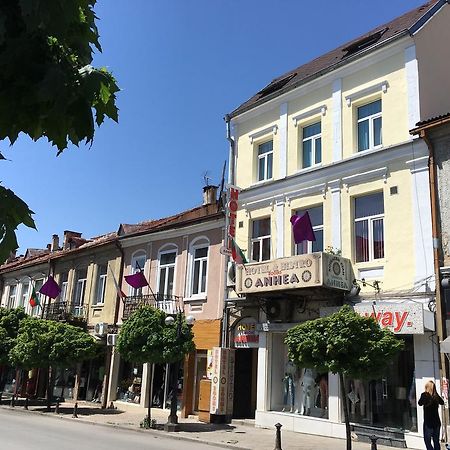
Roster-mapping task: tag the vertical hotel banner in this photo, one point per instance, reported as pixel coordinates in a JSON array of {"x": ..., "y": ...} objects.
[
  {"x": 222, "y": 382},
  {"x": 230, "y": 214}
]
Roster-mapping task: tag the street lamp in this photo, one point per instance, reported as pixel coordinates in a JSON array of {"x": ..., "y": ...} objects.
[{"x": 172, "y": 420}]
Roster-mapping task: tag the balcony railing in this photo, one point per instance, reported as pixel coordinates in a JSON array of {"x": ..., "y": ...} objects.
[
  {"x": 170, "y": 304},
  {"x": 63, "y": 311}
]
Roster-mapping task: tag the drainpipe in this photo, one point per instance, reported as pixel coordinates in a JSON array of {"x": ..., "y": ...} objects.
[
  {"x": 436, "y": 231},
  {"x": 231, "y": 180},
  {"x": 109, "y": 350}
]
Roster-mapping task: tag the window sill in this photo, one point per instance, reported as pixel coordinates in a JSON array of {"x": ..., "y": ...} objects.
[
  {"x": 262, "y": 182},
  {"x": 195, "y": 299},
  {"x": 98, "y": 305}
]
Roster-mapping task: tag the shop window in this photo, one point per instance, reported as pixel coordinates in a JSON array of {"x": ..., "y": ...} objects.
[
  {"x": 369, "y": 227},
  {"x": 298, "y": 390},
  {"x": 260, "y": 240},
  {"x": 316, "y": 217},
  {"x": 390, "y": 400},
  {"x": 130, "y": 381}
]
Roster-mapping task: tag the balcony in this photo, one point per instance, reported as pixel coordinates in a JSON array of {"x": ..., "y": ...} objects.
[
  {"x": 170, "y": 304},
  {"x": 64, "y": 312}
]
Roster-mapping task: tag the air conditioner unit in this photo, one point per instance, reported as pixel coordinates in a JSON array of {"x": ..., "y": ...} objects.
[
  {"x": 279, "y": 311},
  {"x": 111, "y": 339},
  {"x": 101, "y": 328},
  {"x": 231, "y": 275}
]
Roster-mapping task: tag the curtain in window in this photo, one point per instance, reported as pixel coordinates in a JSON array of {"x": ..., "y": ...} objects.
[
  {"x": 362, "y": 241},
  {"x": 378, "y": 239}
]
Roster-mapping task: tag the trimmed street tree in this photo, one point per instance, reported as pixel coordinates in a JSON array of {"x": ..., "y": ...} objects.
[
  {"x": 344, "y": 343},
  {"x": 48, "y": 87},
  {"x": 9, "y": 327},
  {"x": 145, "y": 338},
  {"x": 47, "y": 344}
]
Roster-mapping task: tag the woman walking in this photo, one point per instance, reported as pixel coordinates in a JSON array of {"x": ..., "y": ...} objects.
[{"x": 430, "y": 400}]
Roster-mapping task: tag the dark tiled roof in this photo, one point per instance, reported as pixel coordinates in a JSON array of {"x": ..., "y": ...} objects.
[
  {"x": 407, "y": 23},
  {"x": 197, "y": 214},
  {"x": 433, "y": 119}
]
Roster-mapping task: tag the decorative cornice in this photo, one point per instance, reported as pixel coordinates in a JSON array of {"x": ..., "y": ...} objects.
[
  {"x": 383, "y": 87},
  {"x": 363, "y": 177},
  {"x": 272, "y": 129},
  {"x": 312, "y": 112},
  {"x": 306, "y": 191},
  {"x": 418, "y": 164}
]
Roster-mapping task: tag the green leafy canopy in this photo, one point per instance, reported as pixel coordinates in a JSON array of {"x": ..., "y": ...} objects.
[
  {"x": 145, "y": 337},
  {"x": 345, "y": 343},
  {"x": 43, "y": 343},
  {"x": 48, "y": 87},
  {"x": 9, "y": 328}
]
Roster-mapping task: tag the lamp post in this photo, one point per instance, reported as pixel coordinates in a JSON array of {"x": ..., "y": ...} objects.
[{"x": 172, "y": 420}]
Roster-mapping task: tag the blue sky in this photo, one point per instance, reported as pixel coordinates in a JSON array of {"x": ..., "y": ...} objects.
[{"x": 182, "y": 65}]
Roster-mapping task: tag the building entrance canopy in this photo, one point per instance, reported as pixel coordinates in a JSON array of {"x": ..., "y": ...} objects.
[{"x": 295, "y": 272}]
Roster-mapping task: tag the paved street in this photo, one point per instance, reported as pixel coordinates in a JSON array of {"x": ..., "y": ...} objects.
[{"x": 21, "y": 431}]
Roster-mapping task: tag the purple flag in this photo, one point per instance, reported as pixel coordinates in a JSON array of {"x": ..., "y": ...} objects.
[
  {"x": 137, "y": 280},
  {"x": 302, "y": 228},
  {"x": 50, "y": 288}
]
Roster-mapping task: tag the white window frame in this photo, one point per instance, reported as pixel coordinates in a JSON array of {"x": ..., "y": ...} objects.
[
  {"x": 309, "y": 244},
  {"x": 370, "y": 220},
  {"x": 261, "y": 240},
  {"x": 265, "y": 157},
  {"x": 313, "y": 140},
  {"x": 34, "y": 311},
  {"x": 24, "y": 293},
  {"x": 12, "y": 296},
  {"x": 100, "y": 290},
  {"x": 166, "y": 267},
  {"x": 197, "y": 244},
  {"x": 371, "y": 120},
  {"x": 136, "y": 260},
  {"x": 80, "y": 286},
  {"x": 64, "y": 287}
]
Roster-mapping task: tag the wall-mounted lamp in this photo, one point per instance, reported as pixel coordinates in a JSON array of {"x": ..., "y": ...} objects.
[{"x": 354, "y": 291}]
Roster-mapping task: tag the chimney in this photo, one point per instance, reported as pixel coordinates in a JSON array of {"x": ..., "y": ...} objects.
[
  {"x": 209, "y": 195},
  {"x": 67, "y": 236},
  {"x": 55, "y": 243}
]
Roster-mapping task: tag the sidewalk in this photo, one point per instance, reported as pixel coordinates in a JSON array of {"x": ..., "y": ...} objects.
[{"x": 238, "y": 435}]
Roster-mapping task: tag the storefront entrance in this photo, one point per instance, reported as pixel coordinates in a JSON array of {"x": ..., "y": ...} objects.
[{"x": 244, "y": 403}]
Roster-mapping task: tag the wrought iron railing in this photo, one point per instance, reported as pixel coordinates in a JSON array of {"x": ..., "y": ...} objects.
[
  {"x": 170, "y": 304},
  {"x": 63, "y": 311}
]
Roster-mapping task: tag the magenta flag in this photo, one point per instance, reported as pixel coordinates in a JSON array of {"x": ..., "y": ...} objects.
[
  {"x": 50, "y": 288},
  {"x": 302, "y": 228},
  {"x": 137, "y": 280}
]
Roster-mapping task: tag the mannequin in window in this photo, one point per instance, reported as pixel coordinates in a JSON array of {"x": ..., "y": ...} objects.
[
  {"x": 289, "y": 386},
  {"x": 322, "y": 381},
  {"x": 308, "y": 384},
  {"x": 359, "y": 391}
]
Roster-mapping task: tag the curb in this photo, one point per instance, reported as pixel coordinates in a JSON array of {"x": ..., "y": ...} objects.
[{"x": 174, "y": 436}]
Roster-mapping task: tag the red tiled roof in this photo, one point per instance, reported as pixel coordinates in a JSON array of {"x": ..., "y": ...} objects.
[{"x": 406, "y": 23}]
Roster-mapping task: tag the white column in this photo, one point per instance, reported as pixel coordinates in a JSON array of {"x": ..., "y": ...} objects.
[
  {"x": 283, "y": 140},
  {"x": 412, "y": 86},
  {"x": 337, "y": 119},
  {"x": 279, "y": 214},
  {"x": 336, "y": 232},
  {"x": 113, "y": 376},
  {"x": 262, "y": 383},
  {"x": 334, "y": 400},
  {"x": 146, "y": 380},
  {"x": 422, "y": 242}
]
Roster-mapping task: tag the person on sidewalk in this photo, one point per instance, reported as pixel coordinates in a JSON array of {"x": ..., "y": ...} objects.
[{"x": 430, "y": 400}]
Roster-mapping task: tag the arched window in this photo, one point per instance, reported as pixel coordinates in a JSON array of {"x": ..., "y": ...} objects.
[
  {"x": 198, "y": 254},
  {"x": 167, "y": 256},
  {"x": 138, "y": 260}
]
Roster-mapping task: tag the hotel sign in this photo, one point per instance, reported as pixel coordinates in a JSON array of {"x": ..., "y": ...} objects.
[{"x": 302, "y": 271}]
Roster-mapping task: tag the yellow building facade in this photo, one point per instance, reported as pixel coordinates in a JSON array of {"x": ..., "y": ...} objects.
[{"x": 332, "y": 138}]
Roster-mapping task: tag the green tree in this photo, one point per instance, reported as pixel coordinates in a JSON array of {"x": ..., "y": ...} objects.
[
  {"x": 344, "y": 343},
  {"x": 48, "y": 87},
  {"x": 47, "y": 344},
  {"x": 145, "y": 338}
]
